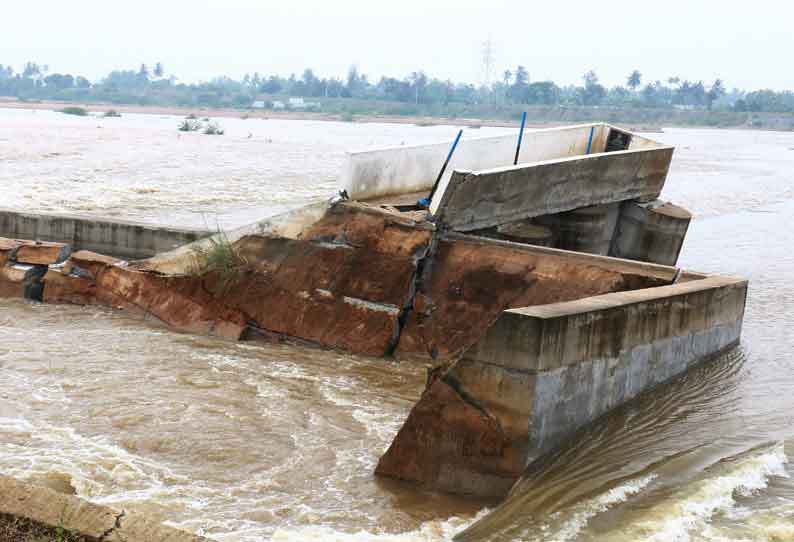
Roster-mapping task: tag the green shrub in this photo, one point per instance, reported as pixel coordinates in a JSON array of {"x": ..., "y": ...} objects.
[
  {"x": 213, "y": 129},
  {"x": 189, "y": 126},
  {"x": 72, "y": 110}
]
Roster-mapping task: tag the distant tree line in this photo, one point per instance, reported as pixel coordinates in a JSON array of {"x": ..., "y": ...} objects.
[{"x": 149, "y": 85}]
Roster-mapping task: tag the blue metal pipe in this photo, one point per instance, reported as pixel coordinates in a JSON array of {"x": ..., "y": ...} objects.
[
  {"x": 590, "y": 141},
  {"x": 520, "y": 135},
  {"x": 426, "y": 201}
]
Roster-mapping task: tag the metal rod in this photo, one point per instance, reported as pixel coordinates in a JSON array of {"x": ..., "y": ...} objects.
[
  {"x": 426, "y": 202},
  {"x": 520, "y": 135},
  {"x": 590, "y": 141}
]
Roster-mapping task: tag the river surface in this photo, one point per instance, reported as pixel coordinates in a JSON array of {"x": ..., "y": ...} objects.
[{"x": 246, "y": 443}]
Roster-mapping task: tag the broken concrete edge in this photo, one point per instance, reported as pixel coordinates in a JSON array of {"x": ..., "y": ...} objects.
[
  {"x": 68, "y": 513},
  {"x": 289, "y": 225},
  {"x": 659, "y": 271}
]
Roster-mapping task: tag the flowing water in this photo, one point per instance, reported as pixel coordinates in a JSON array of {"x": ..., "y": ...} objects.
[{"x": 246, "y": 443}]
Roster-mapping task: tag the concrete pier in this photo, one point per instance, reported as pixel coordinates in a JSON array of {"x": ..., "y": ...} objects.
[
  {"x": 540, "y": 373},
  {"x": 651, "y": 232},
  {"x": 127, "y": 240}
]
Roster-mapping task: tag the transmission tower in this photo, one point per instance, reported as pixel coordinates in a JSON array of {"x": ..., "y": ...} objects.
[{"x": 487, "y": 62}]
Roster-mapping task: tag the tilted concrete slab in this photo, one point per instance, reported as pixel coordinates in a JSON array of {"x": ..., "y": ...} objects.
[
  {"x": 476, "y": 200},
  {"x": 412, "y": 169}
]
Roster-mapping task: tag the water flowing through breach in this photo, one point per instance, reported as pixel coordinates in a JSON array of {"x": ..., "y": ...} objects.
[{"x": 245, "y": 443}]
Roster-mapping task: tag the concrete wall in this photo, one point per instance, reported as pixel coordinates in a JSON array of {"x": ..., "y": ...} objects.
[
  {"x": 411, "y": 168},
  {"x": 127, "y": 240},
  {"x": 586, "y": 357},
  {"x": 476, "y": 200}
]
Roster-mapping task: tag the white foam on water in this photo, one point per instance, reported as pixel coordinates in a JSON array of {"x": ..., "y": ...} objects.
[
  {"x": 584, "y": 512},
  {"x": 567, "y": 525},
  {"x": 686, "y": 514},
  {"x": 96, "y": 467},
  {"x": 429, "y": 531}
]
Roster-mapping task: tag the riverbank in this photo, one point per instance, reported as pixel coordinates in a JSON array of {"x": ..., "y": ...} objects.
[
  {"x": 265, "y": 114},
  {"x": 368, "y": 111}
]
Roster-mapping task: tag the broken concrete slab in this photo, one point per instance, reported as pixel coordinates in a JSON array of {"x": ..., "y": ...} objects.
[
  {"x": 184, "y": 260},
  {"x": 375, "y": 174},
  {"x": 41, "y": 253},
  {"x": 471, "y": 280},
  {"x": 476, "y": 200}
]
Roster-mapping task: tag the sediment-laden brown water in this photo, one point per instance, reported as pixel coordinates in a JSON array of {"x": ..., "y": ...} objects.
[{"x": 247, "y": 443}]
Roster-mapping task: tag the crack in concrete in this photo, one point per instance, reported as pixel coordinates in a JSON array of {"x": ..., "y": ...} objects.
[
  {"x": 424, "y": 260},
  {"x": 116, "y": 525}
]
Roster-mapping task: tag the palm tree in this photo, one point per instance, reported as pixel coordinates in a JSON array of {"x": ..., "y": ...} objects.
[{"x": 634, "y": 80}]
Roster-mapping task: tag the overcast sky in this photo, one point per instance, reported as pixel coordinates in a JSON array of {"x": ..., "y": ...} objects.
[{"x": 748, "y": 44}]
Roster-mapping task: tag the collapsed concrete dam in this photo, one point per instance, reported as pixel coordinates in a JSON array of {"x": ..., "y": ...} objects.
[{"x": 542, "y": 294}]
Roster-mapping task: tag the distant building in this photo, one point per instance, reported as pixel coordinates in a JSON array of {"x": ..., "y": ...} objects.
[
  {"x": 278, "y": 105},
  {"x": 258, "y": 104},
  {"x": 300, "y": 104}
]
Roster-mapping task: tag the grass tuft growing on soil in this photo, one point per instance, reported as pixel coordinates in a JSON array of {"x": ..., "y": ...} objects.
[{"x": 219, "y": 257}]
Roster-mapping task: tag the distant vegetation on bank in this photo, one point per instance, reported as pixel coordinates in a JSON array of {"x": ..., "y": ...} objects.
[{"x": 670, "y": 102}]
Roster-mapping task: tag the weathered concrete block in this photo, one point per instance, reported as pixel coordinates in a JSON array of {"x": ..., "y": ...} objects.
[{"x": 650, "y": 232}]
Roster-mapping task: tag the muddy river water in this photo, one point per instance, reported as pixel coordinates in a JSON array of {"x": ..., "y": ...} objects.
[{"x": 245, "y": 443}]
